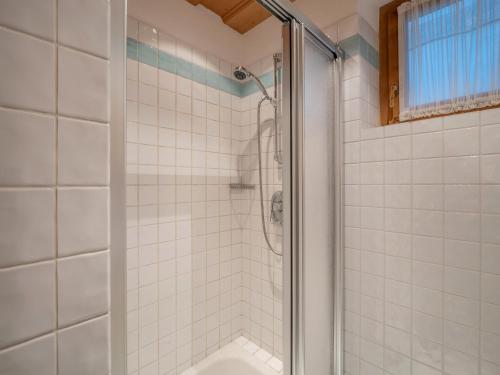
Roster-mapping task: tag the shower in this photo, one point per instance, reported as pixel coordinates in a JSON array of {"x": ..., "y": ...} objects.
[{"x": 241, "y": 73}]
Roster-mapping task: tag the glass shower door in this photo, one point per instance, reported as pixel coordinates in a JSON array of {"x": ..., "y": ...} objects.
[{"x": 315, "y": 190}]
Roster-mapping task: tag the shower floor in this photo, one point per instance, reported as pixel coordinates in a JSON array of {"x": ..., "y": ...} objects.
[{"x": 241, "y": 357}]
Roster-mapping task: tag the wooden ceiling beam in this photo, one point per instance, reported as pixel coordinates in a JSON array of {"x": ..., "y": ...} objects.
[
  {"x": 240, "y": 15},
  {"x": 236, "y": 9}
]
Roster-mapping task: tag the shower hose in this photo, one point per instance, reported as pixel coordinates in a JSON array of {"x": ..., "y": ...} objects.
[{"x": 266, "y": 236}]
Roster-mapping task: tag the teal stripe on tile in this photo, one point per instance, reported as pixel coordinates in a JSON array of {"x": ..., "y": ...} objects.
[
  {"x": 230, "y": 85},
  {"x": 250, "y": 87},
  {"x": 199, "y": 74},
  {"x": 184, "y": 68},
  {"x": 148, "y": 55},
  {"x": 368, "y": 52},
  {"x": 357, "y": 45},
  {"x": 132, "y": 48},
  {"x": 354, "y": 45},
  {"x": 351, "y": 45},
  {"x": 165, "y": 61}
]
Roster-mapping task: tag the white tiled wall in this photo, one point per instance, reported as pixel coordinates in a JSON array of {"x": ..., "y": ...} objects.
[
  {"x": 262, "y": 270},
  {"x": 198, "y": 275},
  {"x": 422, "y": 270},
  {"x": 54, "y": 187}
]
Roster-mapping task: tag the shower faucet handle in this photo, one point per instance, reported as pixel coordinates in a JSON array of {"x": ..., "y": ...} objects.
[{"x": 277, "y": 207}]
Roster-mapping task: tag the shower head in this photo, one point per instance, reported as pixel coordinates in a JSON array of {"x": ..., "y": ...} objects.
[{"x": 241, "y": 73}]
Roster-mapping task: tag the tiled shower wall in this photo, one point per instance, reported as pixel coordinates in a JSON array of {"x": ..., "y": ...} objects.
[
  {"x": 54, "y": 186},
  {"x": 188, "y": 266},
  {"x": 262, "y": 270},
  {"x": 422, "y": 271}
]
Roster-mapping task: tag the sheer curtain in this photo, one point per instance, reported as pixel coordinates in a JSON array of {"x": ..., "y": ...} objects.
[{"x": 449, "y": 56}]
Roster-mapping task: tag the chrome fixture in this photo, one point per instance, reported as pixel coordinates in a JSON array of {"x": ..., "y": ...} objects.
[
  {"x": 277, "y": 140},
  {"x": 242, "y": 73},
  {"x": 240, "y": 185},
  {"x": 277, "y": 208}
]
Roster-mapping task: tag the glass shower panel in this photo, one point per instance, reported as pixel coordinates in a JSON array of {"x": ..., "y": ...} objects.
[
  {"x": 199, "y": 272},
  {"x": 318, "y": 209}
]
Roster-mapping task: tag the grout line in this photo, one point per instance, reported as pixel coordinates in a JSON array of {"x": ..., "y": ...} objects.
[
  {"x": 88, "y": 53},
  {"x": 55, "y": 113},
  {"x": 26, "y": 110},
  {"x": 79, "y": 323},
  {"x": 138, "y": 235},
  {"x": 52, "y": 187},
  {"x": 384, "y": 338},
  {"x": 479, "y": 346},
  {"x": 157, "y": 146},
  {"x": 53, "y": 258},
  {"x": 56, "y": 170},
  {"x": 30, "y": 34},
  {"x": 443, "y": 251}
]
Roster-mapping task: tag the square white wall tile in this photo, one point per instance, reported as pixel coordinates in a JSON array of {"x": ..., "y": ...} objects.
[
  {"x": 31, "y": 16},
  {"x": 82, "y": 287},
  {"x": 82, "y": 220},
  {"x": 446, "y": 178},
  {"x": 490, "y": 169},
  {"x": 37, "y": 356},
  {"x": 83, "y": 149},
  {"x": 29, "y": 153},
  {"x": 27, "y": 72},
  {"x": 83, "y": 85},
  {"x": 83, "y": 349},
  {"x": 490, "y": 139},
  {"x": 84, "y": 25},
  {"x": 28, "y": 306},
  {"x": 27, "y": 227},
  {"x": 27, "y": 148}
]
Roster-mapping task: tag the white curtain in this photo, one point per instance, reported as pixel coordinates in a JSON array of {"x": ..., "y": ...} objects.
[{"x": 449, "y": 56}]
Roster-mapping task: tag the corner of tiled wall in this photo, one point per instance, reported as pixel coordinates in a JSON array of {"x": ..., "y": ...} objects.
[
  {"x": 195, "y": 255},
  {"x": 422, "y": 257},
  {"x": 54, "y": 187}
]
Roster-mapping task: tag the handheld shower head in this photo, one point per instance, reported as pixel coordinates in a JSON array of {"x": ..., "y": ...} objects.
[{"x": 241, "y": 73}]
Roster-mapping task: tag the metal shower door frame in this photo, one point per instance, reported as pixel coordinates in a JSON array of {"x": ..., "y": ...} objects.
[
  {"x": 293, "y": 33},
  {"x": 295, "y": 26}
]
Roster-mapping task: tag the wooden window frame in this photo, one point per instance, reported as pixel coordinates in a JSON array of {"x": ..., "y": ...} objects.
[
  {"x": 389, "y": 67},
  {"x": 389, "y": 63}
]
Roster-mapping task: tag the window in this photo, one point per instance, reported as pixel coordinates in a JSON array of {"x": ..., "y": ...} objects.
[{"x": 438, "y": 57}]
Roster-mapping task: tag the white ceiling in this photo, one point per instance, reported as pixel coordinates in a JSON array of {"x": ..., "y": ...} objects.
[{"x": 184, "y": 21}]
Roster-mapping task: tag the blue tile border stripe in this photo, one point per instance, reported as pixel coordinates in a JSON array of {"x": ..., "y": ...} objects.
[
  {"x": 352, "y": 46},
  {"x": 357, "y": 45},
  {"x": 167, "y": 62}
]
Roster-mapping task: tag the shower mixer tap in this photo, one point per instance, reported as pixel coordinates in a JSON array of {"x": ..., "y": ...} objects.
[
  {"x": 242, "y": 73},
  {"x": 277, "y": 208}
]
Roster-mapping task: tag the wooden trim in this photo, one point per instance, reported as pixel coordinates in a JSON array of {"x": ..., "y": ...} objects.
[
  {"x": 446, "y": 114},
  {"x": 389, "y": 61},
  {"x": 240, "y": 15},
  {"x": 237, "y": 9},
  {"x": 389, "y": 67}
]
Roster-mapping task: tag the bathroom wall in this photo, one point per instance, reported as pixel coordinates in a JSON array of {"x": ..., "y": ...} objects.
[
  {"x": 184, "y": 20},
  {"x": 184, "y": 261},
  {"x": 422, "y": 257},
  {"x": 189, "y": 286},
  {"x": 262, "y": 270},
  {"x": 54, "y": 187}
]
